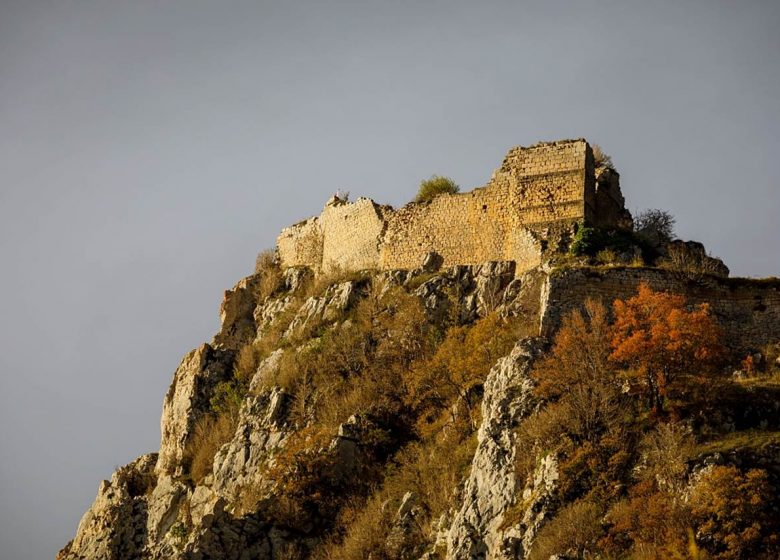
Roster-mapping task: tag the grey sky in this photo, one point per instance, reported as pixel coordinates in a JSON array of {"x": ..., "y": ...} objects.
[{"x": 149, "y": 149}]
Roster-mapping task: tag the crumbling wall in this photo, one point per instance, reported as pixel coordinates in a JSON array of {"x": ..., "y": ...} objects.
[
  {"x": 351, "y": 235},
  {"x": 605, "y": 205},
  {"x": 534, "y": 186},
  {"x": 748, "y": 309},
  {"x": 549, "y": 186},
  {"x": 466, "y": 228},
  {"x": 301, "y": 244}
]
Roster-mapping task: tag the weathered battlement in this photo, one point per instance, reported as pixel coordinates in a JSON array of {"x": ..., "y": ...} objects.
[{"x": 529, "y": 207}]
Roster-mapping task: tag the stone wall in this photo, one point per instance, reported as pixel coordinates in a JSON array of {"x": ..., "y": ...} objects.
[
  {"x": 301, "y": 244},
  {"x": 748, "y": 309},
  {"x": 550, "y": 185},
  {"x": 351, "y": 235}
]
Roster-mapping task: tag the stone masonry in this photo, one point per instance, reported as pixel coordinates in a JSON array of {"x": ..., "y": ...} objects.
[
  {"x": 538, "y": 194},
  {"x": 747, "y": 309}
]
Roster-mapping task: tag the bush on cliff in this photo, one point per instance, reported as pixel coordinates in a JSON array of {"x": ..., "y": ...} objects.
[
  {"x": 655, "y": 226},
  {"x": 590, "y": 241},
  {"x": 433, "y": 187}
]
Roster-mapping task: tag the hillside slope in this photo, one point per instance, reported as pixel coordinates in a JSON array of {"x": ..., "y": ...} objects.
[{"x": 399, "y": 415}]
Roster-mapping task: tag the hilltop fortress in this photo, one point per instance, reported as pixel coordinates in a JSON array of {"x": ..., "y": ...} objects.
[
  {"x": 527, "y": 214},
  {"x": 531, "y": 206}
]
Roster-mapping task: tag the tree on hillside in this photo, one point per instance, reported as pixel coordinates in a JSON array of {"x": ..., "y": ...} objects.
[
  {"x": 578, "y": 374},
  {"x": 658, "y": 338},
  {"x": 454, "y": 375}
]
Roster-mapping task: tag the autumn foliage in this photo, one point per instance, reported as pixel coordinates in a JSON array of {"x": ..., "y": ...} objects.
[
  {"x": 657, "y": 338},
  {"x": 625, "y": 474}
]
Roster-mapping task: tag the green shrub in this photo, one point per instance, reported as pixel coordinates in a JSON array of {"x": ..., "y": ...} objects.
[
  {"x": 590, "y": 241},
  {"x": 228, "y": 396},
  {"x": 433, "y": 187}
]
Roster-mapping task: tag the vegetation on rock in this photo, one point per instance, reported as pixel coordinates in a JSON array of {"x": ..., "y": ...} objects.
[{"x": 433, "y": 187}]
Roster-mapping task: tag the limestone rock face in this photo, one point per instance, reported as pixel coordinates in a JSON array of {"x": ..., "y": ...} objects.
[
  {"x": 114, "y": 527},
  {"x": 237, "y": 314},
  {"x": 491, "y": 487},
  {"x": 261, "y": 428},
  {"x": 153, "y": 510},
  {"x": 475, "y": 290},
  {"x": 187, "y": 400},
  {"x": 336, "y": 299}
]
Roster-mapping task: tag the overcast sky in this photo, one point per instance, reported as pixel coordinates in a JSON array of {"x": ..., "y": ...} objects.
[{"x": 149, "y": 149}]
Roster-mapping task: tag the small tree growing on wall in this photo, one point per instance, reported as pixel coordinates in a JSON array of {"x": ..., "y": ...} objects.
[{"x": 433, "y": 187}]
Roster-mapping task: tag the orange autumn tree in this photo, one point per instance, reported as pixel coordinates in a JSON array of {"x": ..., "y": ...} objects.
[{"x": 659, "y": 337}]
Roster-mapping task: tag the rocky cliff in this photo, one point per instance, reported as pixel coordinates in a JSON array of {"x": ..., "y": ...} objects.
[
  {"x": 299, "y": 419},
  {"x": 153, "y": 508},
  {"x": 400, "y": 412}
]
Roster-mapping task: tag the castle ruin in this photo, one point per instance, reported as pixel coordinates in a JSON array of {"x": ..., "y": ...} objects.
[{"x": 531, "y": 207}]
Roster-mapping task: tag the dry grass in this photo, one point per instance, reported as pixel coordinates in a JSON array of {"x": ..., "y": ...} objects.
[
  {"x": 761, "y": 381},
  {"x": 211, "y": 432},
  {"x": 268, "y": 267},
  {"x": 689, "y": 264},
  {"x": 601, "y": 158},
  {"x": 431, "y": 471},
  {"x": 575, "y": 528},
  {"x": 747, "y": 439}
]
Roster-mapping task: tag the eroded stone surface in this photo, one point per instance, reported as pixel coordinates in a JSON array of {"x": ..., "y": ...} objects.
[
  {"x": 492, "y": 487},
  {"x": 187, "y": 400}
]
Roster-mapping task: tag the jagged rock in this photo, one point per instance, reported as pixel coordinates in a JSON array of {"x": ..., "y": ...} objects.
[
  {"x": 474, "y": 291},
  {"x": 265, "y": 370},
  {"x": 337, "y": 299},
  {"x": 204, "y": 505},
  {"x": 266, "y": 312},
  {"x": 538, "y": 495},
  {"x": 491, "y": 487},
  {"x": 691, "y": 257},
  {"x": 491, "y": 280},
  {"x": 345, "y": 447},
  {"x": 237, "y": 314},
  {"x": 434, "y": 298},
  {"x": 398, "y": 540},
  {"x": 432, "y": 262},
  {"x": 163, "y": 506},
  {"x": 114, "y": 527},
  {"x": 261, "y": 428},
  {"x": 187, "y": 400},
  {"x": 295, "y": 278}
]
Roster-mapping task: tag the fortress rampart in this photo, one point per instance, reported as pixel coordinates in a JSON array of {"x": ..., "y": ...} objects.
[
  {"x": 748, "y": 309},
  {"x": 537, "y": 190}
]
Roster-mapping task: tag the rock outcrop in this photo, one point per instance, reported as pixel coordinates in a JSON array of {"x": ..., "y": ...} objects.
[
  {"x": 187, "y": 400},
  {"x": 478, "y": 528},
  {"x": 343, "y": 369}
]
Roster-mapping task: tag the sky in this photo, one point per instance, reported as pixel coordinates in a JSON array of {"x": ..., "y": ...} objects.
[{"x": 149, "y": 150}]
